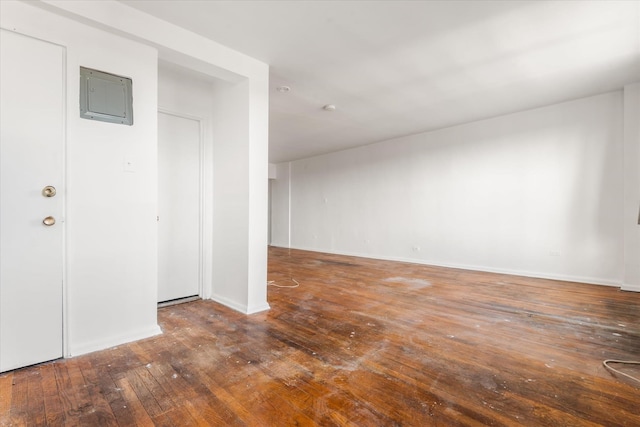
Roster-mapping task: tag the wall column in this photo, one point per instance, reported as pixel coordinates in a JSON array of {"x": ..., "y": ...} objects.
[{"x": 631, "y": 278}]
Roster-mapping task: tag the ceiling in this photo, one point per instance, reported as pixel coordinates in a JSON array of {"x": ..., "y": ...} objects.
[{"x": 395, "y": 68}]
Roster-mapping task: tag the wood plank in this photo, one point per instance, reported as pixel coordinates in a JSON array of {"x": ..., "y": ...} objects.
[
  {"x": 144, "y": 395},
  {"x": 134, "y": 405},
  {"x": 73, "y": 394},
  {"x": 162, "y": 398},
  {"x": 359, "y": 342},
  {"x": 180, "y": 416},
  {"x": 99, "y": 389},
  {"x": 52, "y": 403},
  {"x": 6, "y": 392},
  {"x": 35, "y": 398},
  {"x": 19, "y": 401},
  {"x": 204, "y": 413}
]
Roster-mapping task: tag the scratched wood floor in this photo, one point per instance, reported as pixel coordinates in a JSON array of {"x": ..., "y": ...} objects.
[{"x": 359, "y": 342}]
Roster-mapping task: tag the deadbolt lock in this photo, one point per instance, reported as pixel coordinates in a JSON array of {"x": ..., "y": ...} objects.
[
  {"x": 49, "y": 221},
  {"x": 49, "y": 191}
]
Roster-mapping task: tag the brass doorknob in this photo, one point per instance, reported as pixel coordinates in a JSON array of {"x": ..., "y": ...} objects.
[
  {"x": 49, "y": 191},
  {"x": 49, "y": 221}
]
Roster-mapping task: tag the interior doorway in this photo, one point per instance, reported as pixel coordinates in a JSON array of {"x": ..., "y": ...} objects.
[
  {"x": 180, "y": 207},
  {"x": 31, "y": 206}
]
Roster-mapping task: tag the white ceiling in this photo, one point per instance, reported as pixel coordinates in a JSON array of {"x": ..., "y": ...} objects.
[{"x": 395, "y": 68}]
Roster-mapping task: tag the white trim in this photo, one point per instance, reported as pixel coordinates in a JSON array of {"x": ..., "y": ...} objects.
[
  {"x": 258, "y": 308},
  {"x": 202, "y": 213},
  {"x": 115, "y": 340},
  {"x": 269, "y": 209},
  {"x": 65, "y": 281},
  {"x": 630, "y": 288},
  {"x": 242, "y": 308},
  {"x": 525, "y": 273},
  {"x": 201, "y": 193}
]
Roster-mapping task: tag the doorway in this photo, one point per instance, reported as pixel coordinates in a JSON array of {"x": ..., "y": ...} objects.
[
  {"x": 180, "y": 207},
  {"x": 32, "y": 124}
]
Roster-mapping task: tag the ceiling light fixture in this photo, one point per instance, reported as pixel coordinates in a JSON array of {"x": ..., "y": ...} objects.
[
  {"x": 329, "y": 107},
  {"x": 283, "y": 89}
]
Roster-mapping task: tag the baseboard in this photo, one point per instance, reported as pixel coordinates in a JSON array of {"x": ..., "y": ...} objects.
[
  {"x": 242, "y": 308},
  {"x": 630, "y": 288},
  {"x": 89, "y": 347},
  {"x": 279, "y": 244},
  {"x": 533, "y": 274},
  {"x": 258, "y": 308}
]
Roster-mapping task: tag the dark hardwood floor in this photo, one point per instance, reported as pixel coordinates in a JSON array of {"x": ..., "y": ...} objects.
[{"x": 364, "y": 343}]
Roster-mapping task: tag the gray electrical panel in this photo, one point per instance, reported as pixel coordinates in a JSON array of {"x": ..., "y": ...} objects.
[{"x": 105, "y": 97}]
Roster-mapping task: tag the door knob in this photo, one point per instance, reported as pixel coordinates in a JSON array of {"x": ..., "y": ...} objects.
[
  {"x": 49, "y": 221},
  {"x": 49, "y": 191}
]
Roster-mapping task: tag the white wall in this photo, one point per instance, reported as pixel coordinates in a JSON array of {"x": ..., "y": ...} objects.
[
  {"x": 233, "y": 207},
  {"x": 246, "y": 93},
  {"x": 224, "y": 108},
  {"x": 111, "y": 235},
  {"x": 280, "y": 198},
  {"x": 247, "y": 146},
  {"x": 536, "y": 193},
  {"x": 182, "y": 91},
  {"x": 231, "y": 184},
  {"x": 258, "y": 158},
  {"x": 111, "y": 259},
  {"x": 632, "y": 187}
]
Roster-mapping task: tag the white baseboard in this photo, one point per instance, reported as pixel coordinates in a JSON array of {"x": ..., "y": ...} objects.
[
  {"x": 258, "y": 308},
  {"x": 534, "y": 274},
  {"x": 89, "y": 347},
  {"x": 630, "y": 288},
  {"x": 242, "y": 308}
]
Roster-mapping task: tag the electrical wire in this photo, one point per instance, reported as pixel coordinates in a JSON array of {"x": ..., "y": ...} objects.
[
  {"x": 273, "y": 283},
  {"x": 627, "y": 362}
]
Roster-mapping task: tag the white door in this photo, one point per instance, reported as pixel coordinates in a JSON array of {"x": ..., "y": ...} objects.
[
  {"x": 31, "y": 153},
  {"x": 178, "y": 207}
]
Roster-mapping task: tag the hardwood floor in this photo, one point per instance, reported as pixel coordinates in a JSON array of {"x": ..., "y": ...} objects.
[{"x": 364, "y": 343}]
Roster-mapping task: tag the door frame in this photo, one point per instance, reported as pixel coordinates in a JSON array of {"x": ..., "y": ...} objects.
[
  {"x": 203, "y": 239},
  {"x": 65, "y": 351}
]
